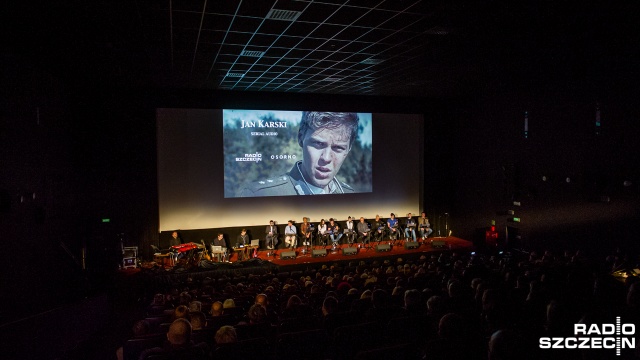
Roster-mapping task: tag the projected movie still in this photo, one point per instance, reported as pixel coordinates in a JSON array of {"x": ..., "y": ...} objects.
[{"x": 283, "y": 153}]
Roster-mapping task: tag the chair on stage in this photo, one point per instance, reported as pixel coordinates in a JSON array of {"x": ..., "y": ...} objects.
[
  {"x": 335, "y": 235},
  {"x": 350, "y": 235},
  {"x": 271, "y": 242},
  {"x": 395, "y": 234},
  {"x": 401, "y": 235},
  {"x": 379, "y": 234},
  {"x": 366, "y": 240},
  {"x": 294, "y": 243},
  {"x": 322, "y": 239},
  {"x": 255, "y": 247},
  {"x": 306, "y": 239}
]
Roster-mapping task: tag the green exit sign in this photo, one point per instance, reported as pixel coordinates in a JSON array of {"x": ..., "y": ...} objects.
[{"x": 106, "y": 220}]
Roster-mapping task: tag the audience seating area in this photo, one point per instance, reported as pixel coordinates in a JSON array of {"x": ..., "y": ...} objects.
[{"x": 445, "y": 306}]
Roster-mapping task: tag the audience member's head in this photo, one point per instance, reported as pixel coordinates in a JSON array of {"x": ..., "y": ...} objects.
[
  {"x": 379, "y": 298},
  {"x": 226, "y": 335},
  {"x": 180, "y": 312},
  {"x": 456, "y": 289},
  {"x": 435, "y": 305},
  {"x": 257, "y": 314},
  {"x": 229, "y": 304},
  {"x": 195, "y": 306},
  {"x": 451, "y": 326},
  {"x": 366, "y": 294},
  {"x": 294, "y": 300},
  {"x": 411, "y": 298},
  {"x": 198, "y": 320},
  {"x": 216, "y": 308},
  {"x": 179, "y": 332},
  {"x": 474, "y": 283},
  {"x": 504, "y": 345},
  {"x": 185, "y": 298},
  {"x": 158, "y": 299},
  {"x": 262, "y": 299},
  {"x": 329, "y": 305}
]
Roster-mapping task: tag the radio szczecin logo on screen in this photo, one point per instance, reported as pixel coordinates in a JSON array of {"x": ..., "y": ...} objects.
[
  {"x": 257, "y": 157},
  {"x": 616, "y": 336}
]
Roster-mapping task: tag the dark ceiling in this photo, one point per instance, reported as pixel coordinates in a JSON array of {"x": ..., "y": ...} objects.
[{"x": 409, "y": 48}]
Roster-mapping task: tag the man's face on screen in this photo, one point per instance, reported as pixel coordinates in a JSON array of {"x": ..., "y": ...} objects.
[{"x": 323, "y": 151}]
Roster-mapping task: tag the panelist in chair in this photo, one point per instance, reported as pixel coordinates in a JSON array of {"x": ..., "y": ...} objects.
[
  {"x": 271, "y": 237},
  {"x": 410, "y": 230},
  {"x": 364, "y": 232},
  {"x": 334, "y": 232},
  {"x": 425, "y": 226},
  {"x": 306, "y": 230},
  {"x": 379, "y": 228},
  {"x": 322, "y": 233},
  {"x": 241, "y": 242},
  {"x": 350, "y": 230},
  {"x": 392, "y": 223},
  {"x": 326, "y": 139},
  {"x": 290, "y": 233}
]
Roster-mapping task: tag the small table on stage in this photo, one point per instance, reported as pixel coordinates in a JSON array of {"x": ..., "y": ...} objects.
[
  {"x": 244, "y": 253},
  {"x": 219, "y": 252}
]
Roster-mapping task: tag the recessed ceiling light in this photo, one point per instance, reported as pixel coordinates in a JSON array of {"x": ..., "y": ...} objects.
[
  {"x": 237, "y": 75},
  {"x": 371, "y": 61},
  {"x": 285, "y": 15},
  {"x": 252, "y": 53}
]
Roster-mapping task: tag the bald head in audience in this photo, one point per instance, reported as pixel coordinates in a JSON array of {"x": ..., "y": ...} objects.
[
  {"x": 216, "y": 308},
  {"x": 261, "y": 299},
  {"x": 179, "y": 332}
]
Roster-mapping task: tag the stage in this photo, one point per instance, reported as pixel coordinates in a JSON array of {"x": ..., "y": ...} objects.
[
  {"x": 395, "y": 250},
  {"x": 273, "y": 261}
]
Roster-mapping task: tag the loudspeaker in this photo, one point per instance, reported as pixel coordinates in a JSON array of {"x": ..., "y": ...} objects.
[
  {"x": 383, "y": 247},
  {"x": 286, "y": 255},
  {"x": 319, "y": 253},
  {"x": 349, "y": 251},
  {"x": 410, "y": 245},
  {"x": 438, "y": 243}
]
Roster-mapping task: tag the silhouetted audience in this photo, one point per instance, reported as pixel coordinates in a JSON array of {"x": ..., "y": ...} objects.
[{"x": 467, "y": 307}]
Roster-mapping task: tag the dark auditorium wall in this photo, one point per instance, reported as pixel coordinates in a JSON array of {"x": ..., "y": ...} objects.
[{"x": 494, "y": 165}]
